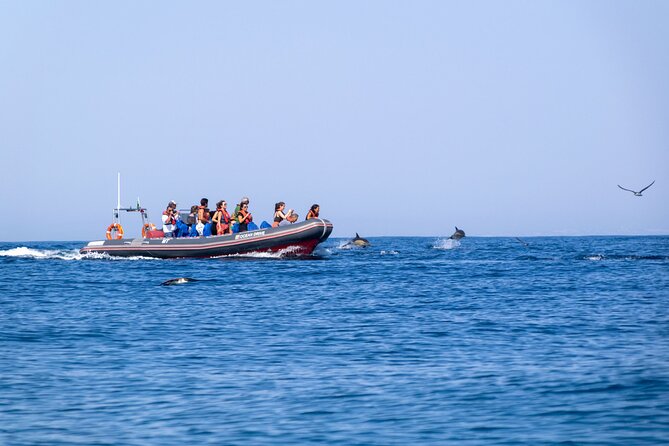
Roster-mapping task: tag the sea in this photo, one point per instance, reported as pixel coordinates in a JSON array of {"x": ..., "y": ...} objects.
[{"x": 410, "y": 341}]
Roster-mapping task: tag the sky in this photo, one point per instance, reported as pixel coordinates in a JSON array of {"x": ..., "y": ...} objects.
[{"x": 513, "y": 118}]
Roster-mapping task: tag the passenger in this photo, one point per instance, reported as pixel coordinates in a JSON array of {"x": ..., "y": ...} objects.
[
  {"x": 238, "y": 207},
  {"x": 244, "y": 217},
  {"x": 169, "y": 220},
  {"x": 202, "y": 216},
  {"x": 313, "y": 212},
  {"x": 178, "y": 223},
  {"x": 279, "y": 216},
  {"x": 208, "y": 226},
  {"x": 182, "y": 228},
  {"x": 221, "y": 219},
  {"x": 191, "y": 220}
]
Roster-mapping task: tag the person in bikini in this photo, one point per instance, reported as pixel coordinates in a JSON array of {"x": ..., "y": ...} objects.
[{"x": 279, "y": 216}]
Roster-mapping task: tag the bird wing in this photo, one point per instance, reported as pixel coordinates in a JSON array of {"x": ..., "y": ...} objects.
[
  {"x": 647, "y": 186},
  {"x": 628, "y": 190}
]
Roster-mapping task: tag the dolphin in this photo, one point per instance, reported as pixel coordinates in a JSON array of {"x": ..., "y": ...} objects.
[
  {"x": 178, "y": 281},
  {"x": 359, "y": 241},
  {"x": 458, "y": 234}
]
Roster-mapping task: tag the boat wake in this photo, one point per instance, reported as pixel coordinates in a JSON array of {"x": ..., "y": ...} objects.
[
  {"x": 291, "y": 251},
  {"x": 445, "y": 244},
  {"x": 29, "y": 253},
  {"x": 23, "y": 252}
]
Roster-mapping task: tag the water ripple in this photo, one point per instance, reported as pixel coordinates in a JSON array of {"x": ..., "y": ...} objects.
[{"x": 410, "y": 341}]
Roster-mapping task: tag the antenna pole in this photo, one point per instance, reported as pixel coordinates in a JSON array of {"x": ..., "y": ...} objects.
[{"x": 118, "y": 194}]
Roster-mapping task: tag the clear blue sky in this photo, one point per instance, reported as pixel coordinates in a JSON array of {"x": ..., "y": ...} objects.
[{"x": 400, "y": 118}]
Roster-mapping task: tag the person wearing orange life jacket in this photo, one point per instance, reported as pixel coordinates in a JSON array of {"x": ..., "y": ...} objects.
[
  {"x": 313, "y": 212},
  {"x": 202, "y": 216},
  {"x": 169, "y": 219},
  {"x": 279, "y": 216},
  {"x": 244, "y": 217},
  {"x": 221, "y": 218},
  {"x": 238, "y": 207}
]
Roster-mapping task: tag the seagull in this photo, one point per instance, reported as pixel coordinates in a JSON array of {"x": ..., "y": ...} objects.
[{"x": 638, "y": 194}]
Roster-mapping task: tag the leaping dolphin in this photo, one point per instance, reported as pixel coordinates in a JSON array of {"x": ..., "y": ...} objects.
[
  {"x": 638, "y": 194},
  {"x": 178, "y": 281},
  {"x": 359, "y": 241},
  {"x": 458, "y": 234}
]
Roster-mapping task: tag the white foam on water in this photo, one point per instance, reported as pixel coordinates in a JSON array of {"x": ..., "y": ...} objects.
[
  {"x": 291, "y": 250},
  {"x": 322, "y": 251},
  {"x": 345, "y": 245},
  {"x": 446, "y": 244},
  {"x": 392, "y": 252},
  {"x": 61, "y": 254},
  {"x": 30, "y": 253},
  {"x": 23, "y": 252}
]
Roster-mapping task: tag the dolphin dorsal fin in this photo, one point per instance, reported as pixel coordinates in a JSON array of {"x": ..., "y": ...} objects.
[{"x": 356, "y": 235}]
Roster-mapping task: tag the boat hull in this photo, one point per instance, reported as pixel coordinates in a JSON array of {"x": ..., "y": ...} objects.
[{"x": 296, "y": 239}]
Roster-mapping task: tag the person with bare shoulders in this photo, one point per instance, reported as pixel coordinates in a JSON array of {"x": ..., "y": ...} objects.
[
  {"x": 279, "y": 215},
  {"x": 202, "y": 216}
]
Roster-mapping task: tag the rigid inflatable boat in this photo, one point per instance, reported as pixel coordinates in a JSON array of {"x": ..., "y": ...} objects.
[{"x": 295, "y": 239}]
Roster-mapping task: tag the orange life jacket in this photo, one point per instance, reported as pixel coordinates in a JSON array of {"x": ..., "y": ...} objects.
[
  {"x": 247, "y": 217},
  {"x": 224, "y": 216}
]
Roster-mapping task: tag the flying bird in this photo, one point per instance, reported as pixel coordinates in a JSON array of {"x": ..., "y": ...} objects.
[{"x": 638, "y": 194}]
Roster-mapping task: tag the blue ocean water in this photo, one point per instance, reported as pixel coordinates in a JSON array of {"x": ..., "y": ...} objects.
[{"x": 555, "y": 340}]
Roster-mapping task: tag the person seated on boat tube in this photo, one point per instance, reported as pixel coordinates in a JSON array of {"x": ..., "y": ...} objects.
[
  {"x": 221, "y": 219},
  {"x": 238, "y": 207},
  {"x": 202, "y": 216},
  {"x": 313, "y": 212},
  {"x": 191, "y": 220},
  {"x": 169, "y": 219},
  {"x": 279, "y": 216},
  {"x": 208, "y": 226},
  {"x": 244, "y": 217}
]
